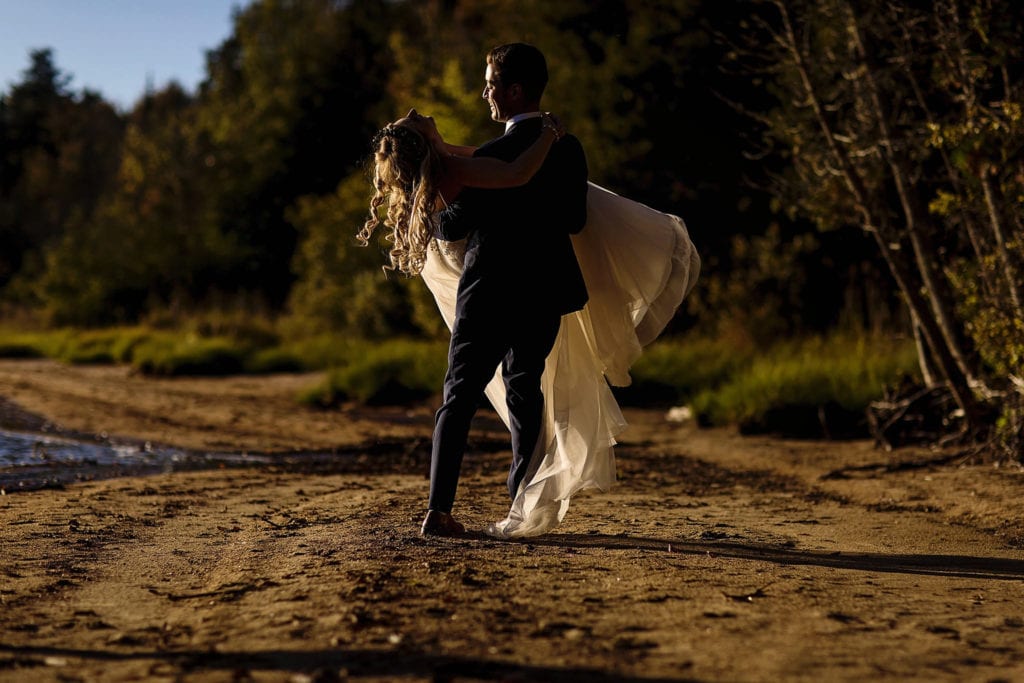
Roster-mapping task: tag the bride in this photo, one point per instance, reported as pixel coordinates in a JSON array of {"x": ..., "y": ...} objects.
[{"x": 638, "y": 264}]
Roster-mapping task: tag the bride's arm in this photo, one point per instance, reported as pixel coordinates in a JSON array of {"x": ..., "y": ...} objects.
[
  {"x": 491, "y": 173},
  {"x": 459, "y": 150}
]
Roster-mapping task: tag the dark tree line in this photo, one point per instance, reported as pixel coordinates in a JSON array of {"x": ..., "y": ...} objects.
[
  {"x": 251, "y": 186},
  {"x": 838, "y": 162},
  {"x": 58, "y": 158}
]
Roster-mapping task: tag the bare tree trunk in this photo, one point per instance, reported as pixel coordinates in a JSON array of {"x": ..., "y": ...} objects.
[
  {"x": 939, "y": 356},
  {"x": 955, "y": 181},
  {"x": 915, "y": 217},
  {"x": 954, "y": 377},
  {"x": 924, "y": 356},
  {"x": 1012, "y": 282}
]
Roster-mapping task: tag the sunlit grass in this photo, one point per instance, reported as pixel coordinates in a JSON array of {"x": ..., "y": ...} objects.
[
  {"x": 394, "y": 372},
  {"x": 173, "y": 356},
  {"x": 795, "y": 383},
  {"x": 792, "y": 386},
  {"x": 113, "y": 345},
  {"x": 116, "y": 345},
  {"x": 318, "y": 352},
  {"x": 674, "y": 370},
  {"x": 248, "y": 325},
  {"x": 15, "y": 344}
]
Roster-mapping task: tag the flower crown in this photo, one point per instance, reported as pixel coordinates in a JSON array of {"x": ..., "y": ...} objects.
[{"x": 403, "y": 135}]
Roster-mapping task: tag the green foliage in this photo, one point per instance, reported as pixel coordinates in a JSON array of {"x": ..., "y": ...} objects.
[
  {"x": 206, "y": 344},
  {"x": 255, "y": 184},
  {"x": 149, "y": 351},
  {"x": 286, "y": 108},
  {"x": 273, "y": 360},
  {"x": 150, "y": 241},
  {"x": 70, "y": 345},
  {"x": 340, "y": 285},
  {"x": 674, "y": 370},
  {"x": 19, "y": 348},
  {"x": 307, "y": 352},
  {"x": 399, "y": 371},
  {"x": 58, "y": 155},
  {"x": 23, "y": 345},
  {"x": 240, "y": 319},
  {"x": 994, "y": 326},
  {"x": 114, "y": 345},
  {"x": 904, "y": 118},
  {"x": 787, "y": 387},
  {"x": 326, "y": 350},
  {"x": 173, "y": 356}
]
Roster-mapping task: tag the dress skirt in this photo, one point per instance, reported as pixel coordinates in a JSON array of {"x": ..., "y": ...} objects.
[{"x": 639, "y": 264}]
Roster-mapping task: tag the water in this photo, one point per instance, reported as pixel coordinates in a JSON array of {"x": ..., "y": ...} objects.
[{"x": 33, "y": 461}]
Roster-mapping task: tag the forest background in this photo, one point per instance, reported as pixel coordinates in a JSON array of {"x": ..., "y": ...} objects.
[{"x": 851, "y": 173}]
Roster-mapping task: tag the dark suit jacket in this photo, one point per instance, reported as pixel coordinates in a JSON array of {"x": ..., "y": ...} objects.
[{"x": 518, "y": 250}]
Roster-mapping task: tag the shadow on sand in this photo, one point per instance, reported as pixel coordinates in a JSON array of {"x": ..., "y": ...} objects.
[
  {"x": 956, "y": 566},
  {"x": 325, "y": 665}
]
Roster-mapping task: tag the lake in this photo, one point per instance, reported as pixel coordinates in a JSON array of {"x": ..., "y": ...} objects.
[{"x": 32, "y": 461}]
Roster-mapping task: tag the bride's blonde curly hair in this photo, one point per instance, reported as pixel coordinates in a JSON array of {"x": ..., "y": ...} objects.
[{"x": 405, "y": 181}]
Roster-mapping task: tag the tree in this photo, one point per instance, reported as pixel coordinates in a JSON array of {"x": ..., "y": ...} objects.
[
  {"x": 285, "y": 107},
  {"x": 151, "y": 240},
  {"x": 634, "y": 81},
  {"x": 906, "y": 118},
  {"x": 59, "y": 155}
]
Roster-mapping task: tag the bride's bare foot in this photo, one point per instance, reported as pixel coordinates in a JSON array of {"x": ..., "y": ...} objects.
[{"x": 440, "y": 524}]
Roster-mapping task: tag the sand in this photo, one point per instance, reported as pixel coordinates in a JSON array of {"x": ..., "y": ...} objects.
[{"x": 716, "y": 557}]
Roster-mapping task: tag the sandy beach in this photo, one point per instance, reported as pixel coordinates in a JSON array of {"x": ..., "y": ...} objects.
[{"x": 716, "y": 557}]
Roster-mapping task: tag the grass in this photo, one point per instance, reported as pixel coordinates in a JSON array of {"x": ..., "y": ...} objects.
[
  {"x": 167, "y": 355},
  {"x": 674, "y": 370},
  {"x": 800, "y": 387},
  {"x": 395, "y": 372},
  {"x": 184, "y": 351},
  {"x": 22, "y": 345},
  {"x": 807, "y": 387}
]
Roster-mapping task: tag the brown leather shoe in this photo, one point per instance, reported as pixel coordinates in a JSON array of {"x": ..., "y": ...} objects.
[{"x": 440, "y": 524}]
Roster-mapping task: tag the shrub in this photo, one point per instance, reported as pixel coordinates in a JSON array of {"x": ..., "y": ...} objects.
[
  {"x": 396, "y": 372},
  {"x": 324, "y": 351},
  {"x": 813, "y": 387},
  {"x": 674, "y": 370},
  {"x": 276, "y": 359},
  {"x": 170, "y": 356},
  {"x": 20, "y": 347},
  {"x": 113, "y": 345}
]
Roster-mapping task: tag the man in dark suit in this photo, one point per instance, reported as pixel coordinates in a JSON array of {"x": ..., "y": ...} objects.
[{"x": 520, "y": 276}]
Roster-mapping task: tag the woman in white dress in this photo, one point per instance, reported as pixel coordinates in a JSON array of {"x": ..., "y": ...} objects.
[{"x": 638, "y": 263}]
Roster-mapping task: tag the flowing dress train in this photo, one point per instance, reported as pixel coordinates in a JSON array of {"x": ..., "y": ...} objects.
[{"x": 639, "y": 264}]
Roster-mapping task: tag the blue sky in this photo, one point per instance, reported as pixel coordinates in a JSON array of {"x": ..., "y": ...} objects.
[{"x": 115, "y": 46}]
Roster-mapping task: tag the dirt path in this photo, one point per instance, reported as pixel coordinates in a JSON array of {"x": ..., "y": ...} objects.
[{"x": 715, "y": 558}]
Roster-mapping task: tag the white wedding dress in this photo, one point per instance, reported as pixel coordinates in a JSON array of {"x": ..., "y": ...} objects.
[{"x": 639, "y": 264}]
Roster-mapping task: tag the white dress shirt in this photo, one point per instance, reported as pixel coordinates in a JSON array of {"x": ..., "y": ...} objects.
[{"x": 521, "y": 117}]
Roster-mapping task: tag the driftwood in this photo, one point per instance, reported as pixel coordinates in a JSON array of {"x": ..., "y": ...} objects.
[{"x": 915, "y": 414}]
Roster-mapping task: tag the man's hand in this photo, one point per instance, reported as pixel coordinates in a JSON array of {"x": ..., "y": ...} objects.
[{"x": 552, "y": 123}]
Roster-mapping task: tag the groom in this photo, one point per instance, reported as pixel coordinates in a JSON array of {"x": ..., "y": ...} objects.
[{"x": 519, "y": 277}]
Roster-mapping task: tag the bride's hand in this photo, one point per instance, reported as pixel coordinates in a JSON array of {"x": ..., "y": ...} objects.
[
  {"x": 438, "y": 143},
  {"x": 551, "y": 121}
]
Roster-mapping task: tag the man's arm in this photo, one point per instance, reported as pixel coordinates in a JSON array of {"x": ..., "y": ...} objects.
[
  {"x": 455, "y": 221},
  {"x": 497, "y": 173},
  {"x": 569, "y": 207},
  {"x": 459, "y": 218}
]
